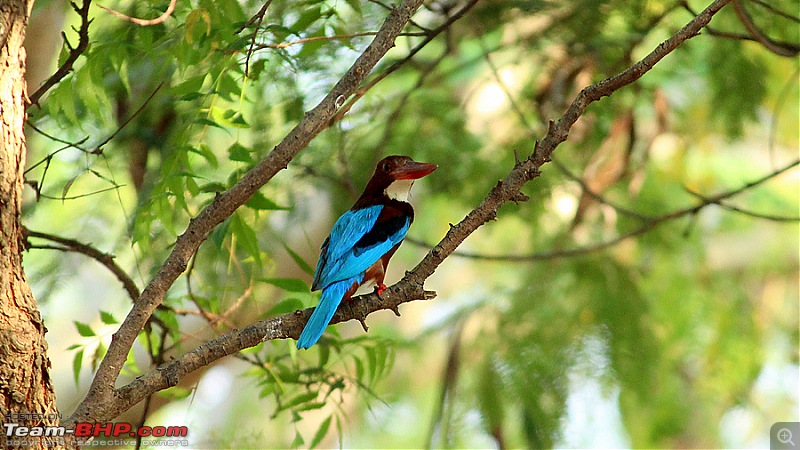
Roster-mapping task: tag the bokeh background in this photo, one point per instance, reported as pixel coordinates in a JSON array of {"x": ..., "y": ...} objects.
[{"x": 641, "y": 314}]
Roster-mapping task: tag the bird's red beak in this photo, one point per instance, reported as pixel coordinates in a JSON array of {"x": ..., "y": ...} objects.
[{"x": 413, "y": 170}]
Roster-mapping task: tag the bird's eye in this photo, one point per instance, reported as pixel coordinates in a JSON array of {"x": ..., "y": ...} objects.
[{"x": 386, "y": 167}]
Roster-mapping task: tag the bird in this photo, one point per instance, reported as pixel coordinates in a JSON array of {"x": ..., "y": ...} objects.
[{"x": 363, "y": 240}]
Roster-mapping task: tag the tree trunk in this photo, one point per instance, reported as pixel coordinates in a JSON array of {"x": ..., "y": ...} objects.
[{"x": 26, "y": 391}]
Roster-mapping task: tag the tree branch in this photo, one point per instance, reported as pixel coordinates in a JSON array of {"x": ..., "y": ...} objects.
[
  {"x": 74, "y": 53},
  {"x": 755, "y": 35},
  {"x": 649, "y": 223},
  {"x": 105, "y": 259},
  {"x": 98, "y": 405},
  {"x": 397, "y": 64},
  {"x": 778, "y": 48},
  {"x": 524, "y": 171},
  {"x": 104, "y": 402},
  {"x": 338, "y": 37},
  {"x": 259, "y": 17},
  {"x": 144, "y": 22}
]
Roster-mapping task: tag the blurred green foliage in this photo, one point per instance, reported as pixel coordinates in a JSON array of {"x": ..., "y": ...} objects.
[{"x": 682, "y": 325}]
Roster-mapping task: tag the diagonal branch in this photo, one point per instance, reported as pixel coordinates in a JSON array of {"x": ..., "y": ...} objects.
[
  {"x": 524, "y": 171},
  {"x": 105, "y": 402},
  {"x": 98, "y": 403}
]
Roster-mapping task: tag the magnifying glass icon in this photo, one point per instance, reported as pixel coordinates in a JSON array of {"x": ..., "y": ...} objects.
[{"x": 785, "y": 436}]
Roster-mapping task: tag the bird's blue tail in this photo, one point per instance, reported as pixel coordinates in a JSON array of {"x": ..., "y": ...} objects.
[{"x": 321, "y": 317}]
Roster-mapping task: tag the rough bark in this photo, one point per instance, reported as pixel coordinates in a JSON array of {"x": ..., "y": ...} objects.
[{"x": 26, "y": 391}]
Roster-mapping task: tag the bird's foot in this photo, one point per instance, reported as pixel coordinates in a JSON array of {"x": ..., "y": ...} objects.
[{"x": 379, "y": 289}]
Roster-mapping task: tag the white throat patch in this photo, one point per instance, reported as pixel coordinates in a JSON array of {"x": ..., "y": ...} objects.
[{"x": 399, "y": 190}]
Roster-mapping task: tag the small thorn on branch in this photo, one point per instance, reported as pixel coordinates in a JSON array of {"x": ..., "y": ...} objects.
[
  {"x": 428, "y": 295},
  {"x": 395, "y": 310},
  {"x": 519, "y": 197},
  {"x": 363, "y": 323}
]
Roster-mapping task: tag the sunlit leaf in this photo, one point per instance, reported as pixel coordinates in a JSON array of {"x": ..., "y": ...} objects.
[
  {"x": 83, "y": 329},
  {"x": 77, "y": 360},
  {"x": 321, "y": 432}
]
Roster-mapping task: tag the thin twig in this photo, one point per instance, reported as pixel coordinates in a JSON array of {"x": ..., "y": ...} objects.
[
  {"x": 145, "y": 22},
  {"x": 775, "y": 10},
  {"x": 780, "y": 49},
  {"x": 788, "y": 47},
  {"x": 259, "y": 17},
  {"x": 99, "y": 147},
  {"x": 532, "y": 131},
  {"x": 397, "y": 64},
  {"x": 649, "y": 224},
  {"x": 74, "y": 53},
  {"x": 96, "y": 150},
  {"x": 338, "y": 37},
  {"x": 75, "y": 197},
  {"x": 105, "y": 259}
]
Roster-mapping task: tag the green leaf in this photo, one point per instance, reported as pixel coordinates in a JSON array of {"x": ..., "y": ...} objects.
[
  {"x": 308, "y": 17},
  {"x": 321, "y": 432},
  {"x": 299, "y": 400},
  {"x": 359, "y": 369},
  {"x": 107, "y": 318},
  {"x": 310, "y": 406},
  {"x": 77, "y": 361},
  {"x": 175, "y": 393},
  {"x": 324, "y": 355},
  {"x": 299, "y": 260},
  {"x": 298, "y": 440},
  {"x": 238, "y": 152},
  {"x": 83, "y": 329},
  {"x": 213, "y": 187},
  {"x": 245, "y": 237},
  {"x": 192, "y": 186},
  {"x": 381, "y": 355},
  {"x": 189, "y": 88},
  {"x": 490, "y": 396},
  {"x": 355, "y": 4},
  {"x": 194, "y": 31},
  {"x": 372, "y": 363},
  {"x": 230, "y": 90},
  {"x": 208, "y": 122},
  {"x": 288, "y": 284},
  {"x": 285, "y": 306},
  {"x": 204, "y": 151},
  {"x": 217, "y": 237},
  {"x": 259, "y": 202},
  {"x": 68, "y": 185},
  {"x": 98, "y": 355},
  {"x": 279, "y": 31}
]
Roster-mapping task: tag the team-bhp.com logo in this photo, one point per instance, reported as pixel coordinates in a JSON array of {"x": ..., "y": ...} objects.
[
  {"x": 85, "y": 431},
  {"x": 108, "y": 429}
]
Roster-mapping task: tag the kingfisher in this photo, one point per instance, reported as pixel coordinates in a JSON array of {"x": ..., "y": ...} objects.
[{"x": 363, "y": 240}]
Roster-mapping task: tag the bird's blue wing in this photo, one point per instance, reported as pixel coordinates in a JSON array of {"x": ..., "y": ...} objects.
[
  {"x": 357, "y": 241},
  {"x": 348, "y": 229}
]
